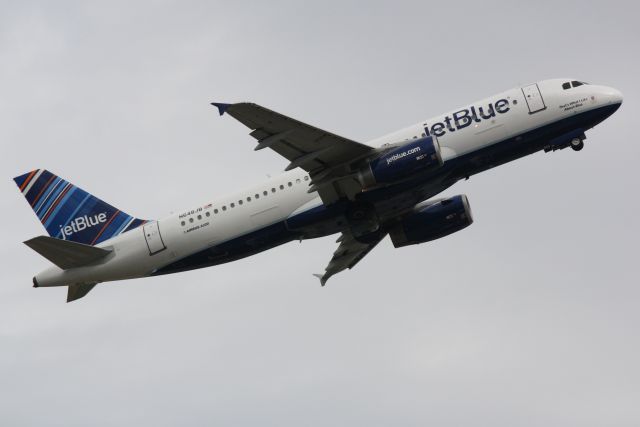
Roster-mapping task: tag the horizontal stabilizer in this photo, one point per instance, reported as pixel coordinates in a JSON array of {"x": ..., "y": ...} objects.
[
  {"x": 66, "y": 254},
  {"x": 78, "y": 291}
]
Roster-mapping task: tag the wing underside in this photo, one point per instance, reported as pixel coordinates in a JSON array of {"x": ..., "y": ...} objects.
[
  {"x": 329, "y": 159},
  {"x": 349, "y": 253}
]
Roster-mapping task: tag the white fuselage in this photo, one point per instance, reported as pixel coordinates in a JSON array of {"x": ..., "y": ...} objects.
[{"x": 489, "y": 122}]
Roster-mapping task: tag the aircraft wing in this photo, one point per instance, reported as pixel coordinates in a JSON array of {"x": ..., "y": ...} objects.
[
  {"x": 326, "y": 156},
  {"x": 348, "y": 254}
]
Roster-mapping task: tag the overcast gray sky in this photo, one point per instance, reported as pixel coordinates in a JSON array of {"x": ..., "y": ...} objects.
[{"x": 529, "y": 317}]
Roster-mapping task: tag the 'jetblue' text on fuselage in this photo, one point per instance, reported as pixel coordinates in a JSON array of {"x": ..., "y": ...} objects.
[{"x": 463, "y": 118}]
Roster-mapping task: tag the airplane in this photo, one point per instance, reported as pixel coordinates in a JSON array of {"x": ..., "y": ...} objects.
[{"x": 331, "y": 185}]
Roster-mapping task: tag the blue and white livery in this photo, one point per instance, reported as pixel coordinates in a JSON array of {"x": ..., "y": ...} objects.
[{"x": 331, "y": 185}]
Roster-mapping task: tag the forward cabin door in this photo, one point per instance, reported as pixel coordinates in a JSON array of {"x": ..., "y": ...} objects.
[
  {"x": 153, "y": 237},
  {"x": 534, "y": 98}
]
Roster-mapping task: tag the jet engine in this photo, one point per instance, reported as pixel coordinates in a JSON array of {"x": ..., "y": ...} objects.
[
  {"x": 400, "y": 162},
  {"x": 432, "y": 220}
]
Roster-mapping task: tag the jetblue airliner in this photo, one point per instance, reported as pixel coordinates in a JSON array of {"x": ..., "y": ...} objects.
[{"x": 332, "y": 185}]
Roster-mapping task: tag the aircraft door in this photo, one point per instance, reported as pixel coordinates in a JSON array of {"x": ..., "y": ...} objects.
[
  {"x": 534, "y": 98},
  {"x": 153, "y": 238}
]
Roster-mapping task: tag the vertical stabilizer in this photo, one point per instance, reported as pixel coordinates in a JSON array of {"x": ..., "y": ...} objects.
[{"x": 70, "y": 213}]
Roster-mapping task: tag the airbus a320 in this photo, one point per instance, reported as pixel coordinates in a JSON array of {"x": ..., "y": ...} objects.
[{"x": 362, "y": 191}]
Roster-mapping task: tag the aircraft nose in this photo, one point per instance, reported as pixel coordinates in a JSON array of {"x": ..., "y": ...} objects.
[{"x": 614, "y": 95}]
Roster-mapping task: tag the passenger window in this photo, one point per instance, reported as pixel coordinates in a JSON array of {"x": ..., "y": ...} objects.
[
  {"x": 232, "y": 205},
  {"x": 566, "y": 85},
  {"x": 183, "y": 223},
  {"x": 208, "y": 213},
  {"x": 289, "y": 183},
  {"x": 199, "y": 217},
  {"x": 257, "y": 196},
  {"x": 306, "y": 178},
  {"x": 224, "y": 208},
  {"x": 248, "y": 198},
  {"x": 281, "y": 187},
  {"x": 215, "y": 211},
  {"x": 273, "y": 190},
  {"x": 264, "y": 193},
  {"x": 298, "y": 181},
  {"x": 576, "y": 83},
  {"x": 240, "y": 201},
  {"x": 190, "y": 219}
]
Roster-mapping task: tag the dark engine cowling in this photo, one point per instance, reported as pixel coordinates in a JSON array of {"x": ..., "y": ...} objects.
[
  {"x": 402, "y": 161},
  {"x": 431, "y": 221}
]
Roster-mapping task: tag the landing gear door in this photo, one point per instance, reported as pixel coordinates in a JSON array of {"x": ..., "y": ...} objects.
[
  {"x": 153, "y": 238},
  {"x": 534, "y": 98}
]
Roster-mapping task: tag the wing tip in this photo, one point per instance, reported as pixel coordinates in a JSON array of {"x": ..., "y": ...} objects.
[
  {"x": 221, "y": 106},
  {"x": 323, "y": 279}
]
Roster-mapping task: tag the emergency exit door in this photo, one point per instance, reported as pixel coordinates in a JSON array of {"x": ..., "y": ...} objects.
[
  {"x": 154, "y": 239},
  {"x": 534, "y": 98}
]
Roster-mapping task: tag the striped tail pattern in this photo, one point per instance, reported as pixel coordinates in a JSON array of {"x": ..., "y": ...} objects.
[{"x": 70, "y": 213}]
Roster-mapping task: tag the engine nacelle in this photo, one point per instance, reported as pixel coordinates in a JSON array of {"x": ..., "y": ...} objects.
[
  {"x": 432, "y": 220},
  {"x": 400, "y": 162}
]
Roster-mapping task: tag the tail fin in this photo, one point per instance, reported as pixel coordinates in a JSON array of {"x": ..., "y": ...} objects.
[{"x": 70, "y": 213}]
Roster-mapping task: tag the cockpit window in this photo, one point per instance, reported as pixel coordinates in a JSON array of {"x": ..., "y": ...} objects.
[{"x": 575, "y": 83}]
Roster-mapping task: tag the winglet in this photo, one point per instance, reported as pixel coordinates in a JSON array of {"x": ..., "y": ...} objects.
[
  {"x": 222, "y": 108},
  {"x": 323, "y": 279}
]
